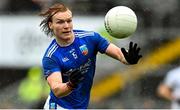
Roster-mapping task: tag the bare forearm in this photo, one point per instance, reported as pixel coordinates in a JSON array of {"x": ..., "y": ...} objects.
[
  {"x": 61, "y": 90},
  {"x": 57, "y": 86},
  {"x": 115, "y": 52},
  {"x": 165, "y": 92},
  {"x": 167, "y": 96}
]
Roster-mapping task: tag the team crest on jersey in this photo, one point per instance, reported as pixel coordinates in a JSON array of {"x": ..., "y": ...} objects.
[{"x": 84, "y": 49}]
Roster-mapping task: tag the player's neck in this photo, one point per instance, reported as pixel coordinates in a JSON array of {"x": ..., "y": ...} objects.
[{"x": 65, "y": 42}]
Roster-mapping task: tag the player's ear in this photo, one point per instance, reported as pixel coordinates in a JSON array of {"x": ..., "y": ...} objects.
[{"x": 50, "y": 25}]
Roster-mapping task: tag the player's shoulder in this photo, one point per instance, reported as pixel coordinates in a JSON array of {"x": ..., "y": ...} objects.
[
  {"x": 52, "y": 48},
  {"x": 174, "y": 73},
  {"x": 84, "y": 33},
  {"x": 175, "y": 70}
]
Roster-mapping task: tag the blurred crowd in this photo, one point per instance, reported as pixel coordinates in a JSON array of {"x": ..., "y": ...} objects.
[{"x": 154, "y": 13}]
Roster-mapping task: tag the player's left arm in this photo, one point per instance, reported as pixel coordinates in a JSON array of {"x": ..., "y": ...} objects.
[
  {"x": 165, "y": 91},
  {"x": 131, "y": 56}
]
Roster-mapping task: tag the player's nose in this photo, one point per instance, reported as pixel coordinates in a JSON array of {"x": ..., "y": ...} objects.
[{"x": 66, "y": 24}]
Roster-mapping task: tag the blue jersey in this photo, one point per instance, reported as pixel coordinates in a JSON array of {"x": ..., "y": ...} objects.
[{"x": 82, "y": 52}]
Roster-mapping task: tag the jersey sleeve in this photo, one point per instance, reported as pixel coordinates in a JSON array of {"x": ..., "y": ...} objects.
[
  {"x": 170, "y": 80},
  {"x": 49, "y": 66},
  {"x": 101, "y": 42}
]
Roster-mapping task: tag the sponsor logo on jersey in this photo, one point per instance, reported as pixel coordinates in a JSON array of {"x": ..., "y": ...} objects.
[
  {"x": 84, "y": 49},
  {"x": 83, "y": 68}
]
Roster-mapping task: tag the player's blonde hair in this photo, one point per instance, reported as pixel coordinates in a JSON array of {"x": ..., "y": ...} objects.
[{"x": 48, "y": 14}]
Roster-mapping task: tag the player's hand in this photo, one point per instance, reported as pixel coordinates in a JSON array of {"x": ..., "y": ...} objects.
[
  {"x": 132, "y": 56},
  {"x": 75, "y": 78}
]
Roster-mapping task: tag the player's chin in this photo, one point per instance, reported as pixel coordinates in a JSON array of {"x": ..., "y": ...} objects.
[{"x": 67, "y": 36}]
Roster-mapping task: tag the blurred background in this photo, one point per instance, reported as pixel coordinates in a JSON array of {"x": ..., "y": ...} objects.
[{"x": 22, "y": 45}]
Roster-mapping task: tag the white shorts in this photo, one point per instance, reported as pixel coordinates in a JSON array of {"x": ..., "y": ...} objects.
[
  {"x": 175, "y": 105},
  {"x": 51, "y": 105}
]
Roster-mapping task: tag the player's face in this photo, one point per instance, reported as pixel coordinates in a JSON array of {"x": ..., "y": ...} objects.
[{"x": 62, "y": 25}]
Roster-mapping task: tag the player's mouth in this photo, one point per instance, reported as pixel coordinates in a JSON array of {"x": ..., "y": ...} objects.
[{"x": 67, "y": 32}]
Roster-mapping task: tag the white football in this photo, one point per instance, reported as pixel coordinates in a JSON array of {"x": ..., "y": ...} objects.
[{"x": 120, "y": 22}]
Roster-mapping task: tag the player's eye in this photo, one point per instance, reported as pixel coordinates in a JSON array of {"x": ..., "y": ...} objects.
[
  {"x": 60, "y": 22},
  {"x": 69, "y": 21}
]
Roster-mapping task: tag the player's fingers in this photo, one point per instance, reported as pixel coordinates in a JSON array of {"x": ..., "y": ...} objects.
[
  {"x": 135, "y": 46},
  {"x": 138, "y": 49},
  {"x": 130, "y": 45}
]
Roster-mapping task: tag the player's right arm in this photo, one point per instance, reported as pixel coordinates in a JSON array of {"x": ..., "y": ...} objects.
[
  {"x": 54, "y": 78},
  {"x": 53, "y": 75},
  {"x": 59, "y": 88}
]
